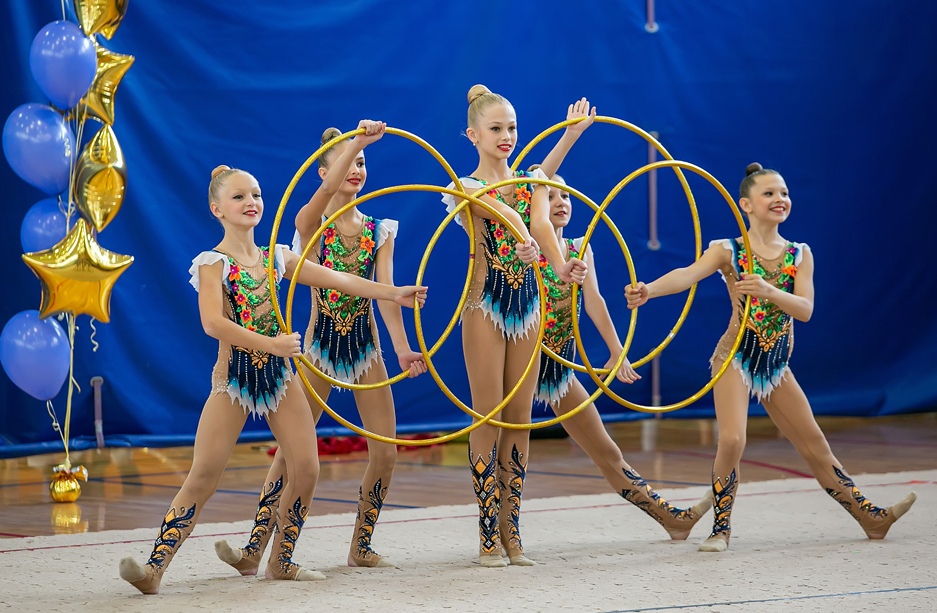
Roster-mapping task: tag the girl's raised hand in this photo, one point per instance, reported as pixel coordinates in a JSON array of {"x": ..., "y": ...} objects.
[
  {"x": 405, "y": 294},
  {"x": 636, "y": 295},
  {"x": 578, "y": 109},
  {"x": 374, "y": 130},
  {"x": 286, "y": 345}
]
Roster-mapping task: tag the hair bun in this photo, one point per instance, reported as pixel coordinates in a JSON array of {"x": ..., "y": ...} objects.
[
  {"x": 329, "y": 134},
  {"x": 218, "y": 170},
  {"x": 476, "y": 91},
  {"x": 753, "y": 168}
]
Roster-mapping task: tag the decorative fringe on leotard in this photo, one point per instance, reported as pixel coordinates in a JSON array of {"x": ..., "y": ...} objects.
[
  {"x": 257, "y": 380},
  {"x": 555, "y": 378},
  {"x": 761, "y": 370}
]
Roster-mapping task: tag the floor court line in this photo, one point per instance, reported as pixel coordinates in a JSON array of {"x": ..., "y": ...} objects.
[{"x": 726, "y": 603}]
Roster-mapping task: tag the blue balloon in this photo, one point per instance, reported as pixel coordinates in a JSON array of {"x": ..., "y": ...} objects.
[
  {"x": 39, "y": 146},
  {"x": 63, "y": 62},
  {"x": 35, "y": 354},
  {"x": 43, "y": 226}
]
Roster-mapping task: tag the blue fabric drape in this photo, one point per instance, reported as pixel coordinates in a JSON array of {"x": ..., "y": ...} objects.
[{"x": 837, "y": 96}]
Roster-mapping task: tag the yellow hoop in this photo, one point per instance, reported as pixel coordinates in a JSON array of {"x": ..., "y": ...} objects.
[{"x": 738, "y": 339}]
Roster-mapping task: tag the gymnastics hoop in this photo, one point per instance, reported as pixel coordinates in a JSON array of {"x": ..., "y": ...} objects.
[{"x": 738, "y": 339}]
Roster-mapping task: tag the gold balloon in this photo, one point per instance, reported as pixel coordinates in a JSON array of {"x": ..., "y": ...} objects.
[
  {"x": 100, "y": 179},
  {"x": 99, "y": 101},
  {"x": 77, "y": 274},
  {"x": 100, "y": 16},
  {"x": 64, "y": 486}
]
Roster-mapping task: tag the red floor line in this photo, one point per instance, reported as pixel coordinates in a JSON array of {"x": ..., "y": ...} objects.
[{"x": 421, "y": 519}]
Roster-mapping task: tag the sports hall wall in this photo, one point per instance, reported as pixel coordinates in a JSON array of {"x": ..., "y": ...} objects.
[{"x": 837, "y": 96}]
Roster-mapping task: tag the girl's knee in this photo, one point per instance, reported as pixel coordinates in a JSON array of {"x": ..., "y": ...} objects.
[
  {"x": 383, "y": 456},
  {"x": 732, "y": 444}
]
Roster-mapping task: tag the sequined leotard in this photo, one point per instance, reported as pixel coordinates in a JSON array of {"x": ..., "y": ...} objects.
[
  {"x": 505, "y": 288},
  {"x": 342, "y": 338},
  {"x": 768, "y": 339},
  {"x": 254, "y": 379},
  {"x": 555, "y": 378}
]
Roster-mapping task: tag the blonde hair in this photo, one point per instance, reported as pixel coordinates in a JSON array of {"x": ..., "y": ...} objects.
[
  {"x": 479, "y": 99},
  {"x": 328, "y": 135},
  {"x": 218, "y": 177}
]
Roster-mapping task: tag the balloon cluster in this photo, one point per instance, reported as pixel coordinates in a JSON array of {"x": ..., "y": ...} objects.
[{"x": 80, "y": 78}]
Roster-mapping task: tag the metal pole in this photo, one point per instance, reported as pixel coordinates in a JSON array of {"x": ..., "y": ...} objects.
[
  {"x": 653, "y": 244},
  {"x": 96, "y": 383},
  {"x": 651, "y": 26}
]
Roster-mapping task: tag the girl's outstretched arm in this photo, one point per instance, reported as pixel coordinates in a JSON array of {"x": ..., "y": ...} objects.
[
  {"x": 216, "y": 325},
  {"x": 597, "y": 310},
  {"x": 317, "y": 275},
  {"x": 798, "y": 305},
  {"x": 555, "y": 158},
  {"x": 309, "y": 218},
  {"x": 409, "y": 360},
  {"x": 715, "y": 258}
]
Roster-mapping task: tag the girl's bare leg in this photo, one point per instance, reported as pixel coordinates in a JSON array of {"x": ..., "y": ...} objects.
[
  {"x": 514, "y": 445},
  {"x": 295, "y": 431},
  {"x": 731, "y": 397},
  {"x": 587, "y": 429},
  {"x": 790, "y": 410},
  {"x": 219, "y": 426},
  {"x": 484, "y": 347},
  {"x": 376, "y": 408}
]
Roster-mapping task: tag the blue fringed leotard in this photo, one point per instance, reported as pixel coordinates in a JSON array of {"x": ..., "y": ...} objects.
[
  {"x": 342, "y": 338},
  {"x": 254, "y": 379},
  {"x": 505, "y": 289},
  {"x": 768, "y": 339}
]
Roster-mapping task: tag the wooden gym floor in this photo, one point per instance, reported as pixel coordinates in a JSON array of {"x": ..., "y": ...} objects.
[{"x": 131, "y": 488}]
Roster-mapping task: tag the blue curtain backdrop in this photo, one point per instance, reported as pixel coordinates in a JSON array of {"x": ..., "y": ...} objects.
[{"x": 838, "y": 96}]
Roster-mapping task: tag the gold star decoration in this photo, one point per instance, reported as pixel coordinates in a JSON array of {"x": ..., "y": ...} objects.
[
  {"x": 99, "y": 101},
  {"x": 77, "y": 274},
  {"x": 100, "y": 16}
]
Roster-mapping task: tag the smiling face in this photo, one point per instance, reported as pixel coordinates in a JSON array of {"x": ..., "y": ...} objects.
[
  {"x": 768, "y": 199},
  {"x": 239, "y": 202},
  {"x": 356, "y": 175},
  {"x": 561, "y": 209},
  {"x": 495, "y": 132}
]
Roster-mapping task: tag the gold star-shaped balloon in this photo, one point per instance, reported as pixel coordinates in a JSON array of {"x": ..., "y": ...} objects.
[
  {"x": 99, "y": 101},
  {"x": 100, "y": 16},
  {"x": 77, "y": 274}
]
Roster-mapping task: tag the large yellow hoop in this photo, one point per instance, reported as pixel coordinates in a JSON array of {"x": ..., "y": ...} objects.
[{"x": 738, "y": 339}]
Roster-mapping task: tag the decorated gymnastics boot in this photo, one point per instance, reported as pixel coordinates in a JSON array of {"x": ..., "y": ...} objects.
[
  {"x": 676, "y": 521},
  {"x": 875, "y": 521},
  {"x": 509, "y": 516},
  {"x": 487, "y": 493},
  {"x": 246, "y": 560},
  {"x": 368, "y": 511},
  {"x": 280, "y": 566},
  {"x": 177, "y": 525},
  {"x": 723, "y": 499}
]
